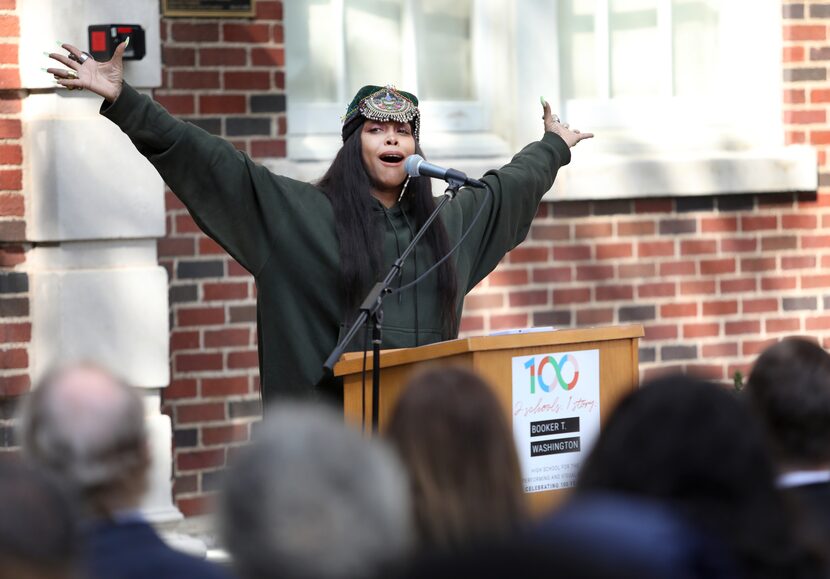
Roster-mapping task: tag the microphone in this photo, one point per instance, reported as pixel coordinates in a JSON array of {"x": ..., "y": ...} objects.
[{"x": 417, "y": 166}]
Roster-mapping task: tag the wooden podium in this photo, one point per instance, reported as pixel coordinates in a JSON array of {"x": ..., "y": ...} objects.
[{"x": 490, "y": 357}]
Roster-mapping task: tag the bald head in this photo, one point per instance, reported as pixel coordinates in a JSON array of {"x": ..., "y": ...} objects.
[{"x": 87, "y": 428}]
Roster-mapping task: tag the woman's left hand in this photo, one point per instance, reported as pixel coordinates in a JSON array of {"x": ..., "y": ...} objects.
[{"x": 554, "y": 125}]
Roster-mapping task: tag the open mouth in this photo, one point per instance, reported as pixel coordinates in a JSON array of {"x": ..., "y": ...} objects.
[{"x": 391, "y": 158}]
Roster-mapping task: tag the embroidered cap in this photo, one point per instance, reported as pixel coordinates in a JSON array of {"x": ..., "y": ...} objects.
[{"x": 382, "y": 103}]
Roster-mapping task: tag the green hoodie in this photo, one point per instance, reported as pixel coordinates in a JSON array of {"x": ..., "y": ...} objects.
[{"x": 282, "y": 231}]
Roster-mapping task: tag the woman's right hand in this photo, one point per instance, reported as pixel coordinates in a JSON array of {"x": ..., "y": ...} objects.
[{"x": 102, "y": 78}]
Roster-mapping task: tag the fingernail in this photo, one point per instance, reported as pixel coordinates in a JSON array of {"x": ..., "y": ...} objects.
[
  {"x": 542, "y": 100},
  {"x": 48, "y": 54},
  {"x": 59, "y": 43},
  {"x": 43, "y": 69},
  {"x": 127, "y": 42}
]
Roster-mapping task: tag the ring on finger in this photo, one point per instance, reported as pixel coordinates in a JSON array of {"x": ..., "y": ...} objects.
[{"x": 556, "y": 118}]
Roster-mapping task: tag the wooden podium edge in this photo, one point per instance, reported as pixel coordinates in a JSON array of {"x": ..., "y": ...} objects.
[{"x": 352, "y": 362}]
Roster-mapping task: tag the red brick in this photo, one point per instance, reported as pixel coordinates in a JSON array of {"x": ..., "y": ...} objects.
[
  {"x": 249, "y": 359},
  {"x": 177, "y": 56},
  {"x": 660, "y": 371},
  {"x": 209, "y": 247},
  {"x": 678, "y": 310},
  {"x": 184, "y": 340},
  {"x": 817, "y": 323},
  {"x": 193, "y": 507},
  {"x": 800, "y": 137},
  {"x": 504, "y": 277},
  {"x": 14, "y": 385},
  {"x": 783, "y": 325},
  {"x": 256, "y": 33},
  {"x": 804, "y": 117},
  {"x": 248, "y": 80},
  {"x": 552, "y": 274},
  {"x": 197, "y": 362},
  {"x": 8, "y": 53},
  {"x": 11, "y": 205},
  {"x": 660, "y": 332},
  {"x": 653, "y": 206},
  {"x": 279, "y": 80},
  {"x": 184, "y": 484},
  {"x": 472, "y": 324},
  {"x": 721, "y": 308},
  {"x": 594, "y": 317},
  {"x": 528, "y": 298},
  {"x": 187, "y": 32},
  {"x": 779, "y": 243},
  {"x": 227, "y": 337},
  {"x": 483, "y": 301},
  {"x": 275, "y": 148},
  {"x": 614, "y": 293},
  {"x": 11, "y": 154},
  {"x": 745, "y": 327},
  {"x": 11, "y": 255},
  {"x": 753, "y": 264},
  {"x": 594, "y": 272},
  {"x": 717, "y": 266},
  {"x": 805, "y": 32},
  {"x": 718, "y": 224},
  {"x": 653, "y": 290},
  {"x": 571, "y": 253},
  {"x": 225, "y": 386},
  {"x": 764, "y": 305},
  {"x": 793, "y": 54},
  {"x": 236, "y": 270},
  {"x": 738, "y": 245},
  {"x": 637, "y": 270},
  {"x": 9, "y": 26},
  {"x": 268, "y": 10},
  {"x": 508, "y": 321},
  {"x": 592, "y": 230},
  {"x": 179, "y": 104},
  {"x": 225, "y": 291},
  {"x": 815, "y": 241},
  {"x": 798, "y": 262},
  {"x": 815, "y": 281},
  {"x": 638, "y": 228},
  {"x": 778, "y": 283},
  {"x": 655, "y": 248},
  {"x": 819, "y": 95},
  {"x": 225, "y": 434},
  {"x": 180, "y": 388},
  {"x": 529, "y": 255},
  {"x": 202, "y": 412},
  {"x": 722, "y": 350},
  {"x": 738, "y": 285},
  {"x": 224, "y": 56},
  {"x": 795, "y": 96},
  {"x": 697, "y": 287},
  {"x": 9, "y": 78},
  {"x": 755, "y": 347},
  {"x": 701, "y": 330},
  {"x": 222, "y": 104},
  {"x": 268, "y": 57},
  {"x": 201, "y": 316},
  {"x": 758, "y": 222},
  {"x": 200, "y": 459},
  {"x": 175, "y": 246},
  {"x": 10, "y": 105},
  {"x": 14, "y": 359},
  {"x": 614, "y": 250},
  {"x": 705, "y": 371},
  {"x": 671, "y": 268},
  {"x": 572, "y": 296},
  {"x": 17, "y": 332},
  {"x": 195, "y": 79},
  {"x": 816, "y": 137},
  {"x": 697, "y": 247},
  {"x": 550, "y": 232}
]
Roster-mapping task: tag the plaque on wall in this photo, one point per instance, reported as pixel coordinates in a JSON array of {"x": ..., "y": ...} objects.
[{"x": 209, "y": 8}]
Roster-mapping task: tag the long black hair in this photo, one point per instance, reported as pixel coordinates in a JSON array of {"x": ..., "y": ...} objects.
[{"x": 347, "y": 185}]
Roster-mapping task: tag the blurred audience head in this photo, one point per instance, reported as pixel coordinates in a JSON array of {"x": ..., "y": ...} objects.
[
  {"x": 311, "y": 498},
  {"x": 455, "y": 441},
  {"x": 38, "y": 536},
  {"x": 696, "y": 446},
  {"x": 86, "y": 427},
  {"x": 789, "y": 386}
]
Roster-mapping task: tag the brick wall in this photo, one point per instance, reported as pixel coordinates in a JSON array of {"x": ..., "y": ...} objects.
[
  {"x": 226, "y": 76},
  {"x": 712, "y": 279},
  {"x": 15, "y": 325}
]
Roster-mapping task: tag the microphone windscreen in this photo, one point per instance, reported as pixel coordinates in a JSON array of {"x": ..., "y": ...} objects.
[{"x": 411, "y": 165}]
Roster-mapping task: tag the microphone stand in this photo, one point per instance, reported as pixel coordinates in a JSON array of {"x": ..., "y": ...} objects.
[{"x": 372, "y": 307}]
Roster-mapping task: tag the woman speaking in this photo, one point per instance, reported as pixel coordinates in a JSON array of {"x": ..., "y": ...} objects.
[{"x": 316, "y": 249}]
